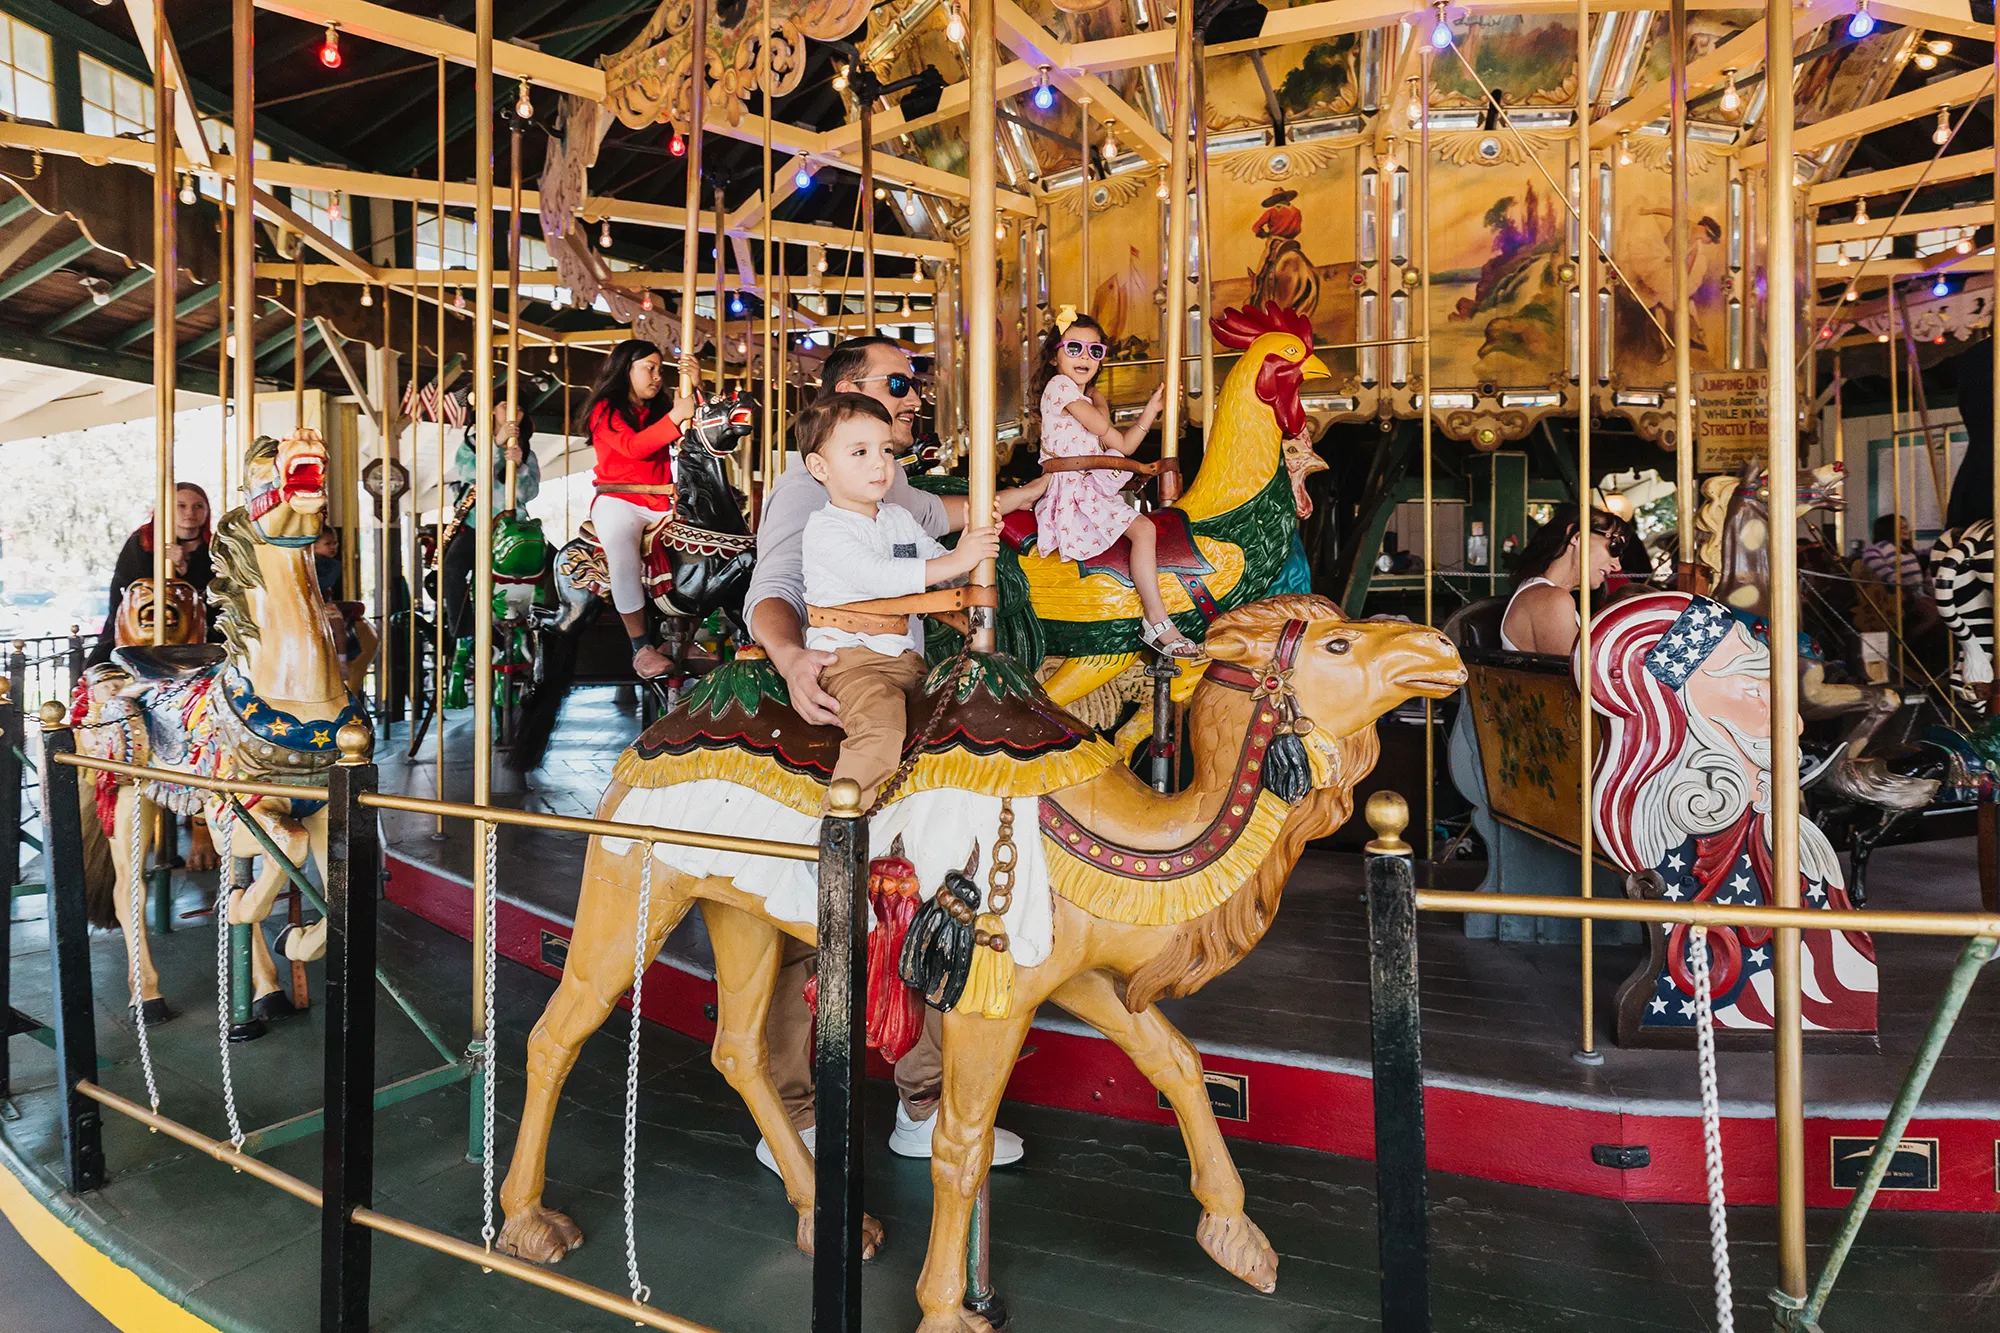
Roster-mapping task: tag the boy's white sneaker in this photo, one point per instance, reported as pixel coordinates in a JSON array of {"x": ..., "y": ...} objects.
[{"x": 912, "y": 1138}]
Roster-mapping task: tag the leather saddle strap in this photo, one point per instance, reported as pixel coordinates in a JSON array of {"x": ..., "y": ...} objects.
[
  {"x": 637, "y": 488},
  {"x": 1100, "y": 463},
  {"x": 891, "y": 615}
]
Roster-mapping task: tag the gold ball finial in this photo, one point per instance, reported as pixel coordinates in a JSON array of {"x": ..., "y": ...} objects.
[
  {"x": 355, "y": 741},
  {"x": 843, "y": 799},
  {"x": 53, "y": 715},
  {"x": 1388, "y": 815}
]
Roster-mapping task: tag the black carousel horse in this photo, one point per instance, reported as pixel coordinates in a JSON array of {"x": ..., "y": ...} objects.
[{"x": 697, "y": 561}]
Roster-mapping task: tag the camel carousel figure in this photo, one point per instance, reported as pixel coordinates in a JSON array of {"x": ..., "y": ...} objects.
[
  {"x": 265, "y": 705},
  {"x": 1100, "y": 894}
]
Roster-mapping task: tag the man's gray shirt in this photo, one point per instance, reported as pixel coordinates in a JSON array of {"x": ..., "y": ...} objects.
[{"x": 796, "y": 497}]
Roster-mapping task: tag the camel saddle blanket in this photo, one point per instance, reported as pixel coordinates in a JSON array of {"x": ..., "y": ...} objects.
[
  {"x": 999, "y": 735},
  {"x": 1176, "y": 552}
]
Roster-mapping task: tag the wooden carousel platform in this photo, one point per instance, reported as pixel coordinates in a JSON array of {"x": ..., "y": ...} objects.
[
  {"x": 1093, "y": 1231},
  {"x": 1285, "y": 1037}
]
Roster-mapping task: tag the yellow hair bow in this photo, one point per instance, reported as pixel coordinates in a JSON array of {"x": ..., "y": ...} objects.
[{"x": 1065, "y": 316}]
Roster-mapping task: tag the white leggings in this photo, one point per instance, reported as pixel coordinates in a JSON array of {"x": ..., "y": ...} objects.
[{"x": 620, "y": 526}]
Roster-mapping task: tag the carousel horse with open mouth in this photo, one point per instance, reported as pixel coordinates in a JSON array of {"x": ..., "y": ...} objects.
[
  {"x": 265, "y": 705},
  {"x": 697, "y": 558},
  {"x": 1231, "y": 538},
  {"x": 1102, "y": 895}
]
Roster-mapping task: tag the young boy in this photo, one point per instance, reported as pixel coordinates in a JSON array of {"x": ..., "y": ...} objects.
[{"x": 857, "y": 549}]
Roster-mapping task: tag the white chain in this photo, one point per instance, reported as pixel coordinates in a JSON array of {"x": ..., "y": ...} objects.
[
  {"x": 640, "y": 933},
  {"x": 1711, "y": 1129},
  {"x": 487, "y": 1056},
  {"x": 225, "y": 879},
  {"x": 135, "y": 941}
]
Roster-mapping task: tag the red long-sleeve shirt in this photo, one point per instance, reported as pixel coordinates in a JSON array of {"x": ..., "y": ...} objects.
[{"x": 627, "y": 457}]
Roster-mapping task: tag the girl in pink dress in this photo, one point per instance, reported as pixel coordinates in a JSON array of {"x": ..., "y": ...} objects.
[{"x": 1082, "y": 514}]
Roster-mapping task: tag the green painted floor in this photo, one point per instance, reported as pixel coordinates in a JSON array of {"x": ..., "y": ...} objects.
[{"x": 1094, "y": 1231}]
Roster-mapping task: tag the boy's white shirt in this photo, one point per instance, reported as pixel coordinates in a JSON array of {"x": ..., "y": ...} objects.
[{"x": 849, "y": 557}]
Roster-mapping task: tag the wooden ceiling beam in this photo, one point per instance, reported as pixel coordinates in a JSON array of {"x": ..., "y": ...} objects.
[
  {"x": 1873, "y": 184},
  {"x": 391, "y": 27},
  {"x": 1977, "y": 215},
  {"x": 1035, "y": 45},
  {"x": 1973, "y": 85},
  {"x": 187, "y": 119}
]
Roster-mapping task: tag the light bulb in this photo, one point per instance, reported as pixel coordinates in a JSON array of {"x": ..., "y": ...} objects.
[
  {"x": 1924, "y": 60},
  {"x": 1964, "y": 245},
  {"x": 906, "y": 307},
  {"x": 840, "y": 80},
  {"x": 329, "y": 47},
  {"x": 604, "y": 235},
  {"x": 1000, "y": 232},
  {"x": 822, "y": 263},
  {"x": 1161, "y": 193},
  {"x": 1732, "y": 100},
  {"x": 803, "y": 178},
  {"x": 367, "y": 294},
  {"x": 333, "y": 209},
  {"x": 1045, "y": 95},
  {"x": 1881, "y": 337},
  {"x": 1940, "y": 287},
  {"x": 553, "y": 358},
  {"x": 1942, "y": 134},
  {"x": 646, "y": 302},
  {"x": 736, "y": 305},
  {"x": 1852, "y": 295},
  {"x": 458, "y": 298},
  {"x": 677, "y": 145},
  {"x": 524, "y": 105},
  {"x": 1624, "y": 150},
  {"x": 1441, "y": 33},
  {"x": 1110, "y": 144},
  {"x": 1841, "y": 260},
  {"x": 1862, "y": 23},
  {"x": 188, "y": 195},
  {"x": 881, "y": 193},
  {"x": 1860, "y": 212},
  {"x": 1939, "y": 46},
  {"x": 954, "y": 27}
]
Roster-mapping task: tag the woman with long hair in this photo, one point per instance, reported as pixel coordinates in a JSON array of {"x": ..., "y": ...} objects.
[
  {"x": 187, "y": 558},
  {"x": 1542, "y": 616},
  {"x": 634, "y": 427}
]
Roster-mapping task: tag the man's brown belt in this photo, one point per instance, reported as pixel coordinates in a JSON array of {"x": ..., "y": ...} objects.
[
  {"x": 1110, "y": 463},
  {"x": 891, "y": 615}
]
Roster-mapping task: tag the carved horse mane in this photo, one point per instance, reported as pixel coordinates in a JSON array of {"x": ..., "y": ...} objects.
[{"x": 1735, "y": 522}]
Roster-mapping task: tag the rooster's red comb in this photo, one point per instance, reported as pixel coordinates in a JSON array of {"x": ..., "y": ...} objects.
[{"x": 1240, "y": 328}]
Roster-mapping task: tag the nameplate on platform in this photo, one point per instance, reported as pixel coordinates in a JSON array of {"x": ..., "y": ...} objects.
[
  {"x": 1913, "y": 1167},
  {"x": 555, "y": 950},
  {"x": 1228, "y": 1095}
]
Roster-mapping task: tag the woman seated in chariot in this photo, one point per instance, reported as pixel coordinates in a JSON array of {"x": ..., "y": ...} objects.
[{"x": 1542, "y": 615}]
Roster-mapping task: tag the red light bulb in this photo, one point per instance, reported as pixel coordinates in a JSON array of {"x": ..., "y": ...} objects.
[
  {"x": 677, "y": 145},
  {"x": 329, "y": 50}
]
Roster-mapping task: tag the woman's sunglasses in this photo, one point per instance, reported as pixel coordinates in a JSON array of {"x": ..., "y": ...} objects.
[
  {"x": 1095, "y": 351},
  {"x": 898, "y": 384}
]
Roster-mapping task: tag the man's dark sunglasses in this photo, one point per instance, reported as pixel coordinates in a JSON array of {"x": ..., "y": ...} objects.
[
  {"x": 1095, "y": 351},
  {"x": 898, "y": 384}
]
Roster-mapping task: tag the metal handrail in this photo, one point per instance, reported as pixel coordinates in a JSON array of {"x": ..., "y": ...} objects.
[
  {"x": 1981, "y": 924},
  {"x": 600, "y": 828},
  {"x": 227, "y": 786}
]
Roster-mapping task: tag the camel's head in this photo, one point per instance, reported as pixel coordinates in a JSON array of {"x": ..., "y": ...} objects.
[
  {"x": 1277, "y": 346},
  {"x": 186, "y": 619},
  {"x": 1341, "y": 674},
  {"x": 284, "y": 483}
]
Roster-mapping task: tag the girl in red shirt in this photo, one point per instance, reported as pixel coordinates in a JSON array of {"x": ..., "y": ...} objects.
[{"x": 634, "y": 430}]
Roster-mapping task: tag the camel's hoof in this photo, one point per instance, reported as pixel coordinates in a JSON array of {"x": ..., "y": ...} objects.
[
  {"x": 541, "y": 1235},
  {"x": 156, "y": 1012},
  {"x": 274, "y": 1006},
  {"x": 871, "y": 1235},
  {"x": 1237, "y": 1244}
]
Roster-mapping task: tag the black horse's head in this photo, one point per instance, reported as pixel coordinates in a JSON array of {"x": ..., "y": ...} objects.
[{"x": 722, "y": 421}]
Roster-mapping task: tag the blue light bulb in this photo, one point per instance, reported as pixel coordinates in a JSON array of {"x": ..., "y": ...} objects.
[
  {"x": 1045, "y": 98},
  {"x": 735, "y": 305},
  {"x": 1441, "y": 36},
  {"x": 1862, "y": 23},
  {"x": 1941, "y": 288},
  {"x": 803, "y": 179}
]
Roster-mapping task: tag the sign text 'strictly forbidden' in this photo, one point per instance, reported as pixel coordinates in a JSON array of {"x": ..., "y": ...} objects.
[{"x": 1732, "y": 419}]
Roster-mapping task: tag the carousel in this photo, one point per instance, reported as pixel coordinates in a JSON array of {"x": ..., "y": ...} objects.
[{"x": 1292, "y": 572}]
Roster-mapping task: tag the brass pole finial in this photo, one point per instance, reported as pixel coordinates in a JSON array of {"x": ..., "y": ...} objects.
[
  {"x": 53, "y": 715},
  {"x": 1388, "y": 815},
  {"x": 843, "y": 799},
  {"x": 356, "y": 742}
]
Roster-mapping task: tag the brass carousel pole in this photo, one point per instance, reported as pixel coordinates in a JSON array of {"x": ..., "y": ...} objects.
[
  {"x": 513, "y": 290},
  {"x": 222, "y": 309},
  {"x": 1586, "y": 298},
  {"x": 568, "y": 439},
  {"x": 482, "y": 541},
  {"x": 1684, "y": 446},
  {"x": 768, "y": 465},
  {"x": 166, "y": 349},
  {"x": 721, "y": 301},
  {"x": 867, "y": 105},
  {"x": 1175, "y": 316},
  {"x": 1430, "y": 524},
  {"x": 691, "y": 238},
  {"x": 982, "y": 258},
  {"x": 1203, "y": 248},
  {"x": 1083, "y": 205},
  {"x": 385, "y": 454},
  {"x": 243, "y": 233},
  {"x": 440, "y": 666},
  {"x": 1782, "y": 359},
  {"x": 1896, "y": 482},
  {"x": 415, "y": 567},
  {"x": 298, "y": 332}
]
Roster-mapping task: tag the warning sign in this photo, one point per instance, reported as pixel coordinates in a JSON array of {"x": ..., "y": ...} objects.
[{"x": 1732, "y": 419}]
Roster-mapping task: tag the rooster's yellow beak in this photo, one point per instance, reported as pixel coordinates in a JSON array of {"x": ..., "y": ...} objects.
[{"x": 1315, "y": 369}]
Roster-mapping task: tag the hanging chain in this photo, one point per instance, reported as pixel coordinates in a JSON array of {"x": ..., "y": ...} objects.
[
  {"x": 1000, "y": 878},
  {"x": 641, "y": 933},
  {"x": 225, "y": 880},
  {"x": 1711, "y": 1129},
  {"x": 490, "y": 1048},
  {"x": 924, "y": 737},
  {"x": 135, "y": 941}
]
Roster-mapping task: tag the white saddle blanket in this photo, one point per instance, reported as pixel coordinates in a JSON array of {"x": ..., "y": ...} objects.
[{"x": 938, "y": 829}]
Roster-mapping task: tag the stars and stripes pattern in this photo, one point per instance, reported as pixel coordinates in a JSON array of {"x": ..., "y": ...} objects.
[
  {"x": 1962, "y": 580},
  {"x": 433, "y": 402},
  {"x": 1732, "y": 868}
]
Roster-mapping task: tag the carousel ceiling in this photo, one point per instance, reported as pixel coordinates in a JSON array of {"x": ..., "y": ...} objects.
[{"x": 1285, "y": 87}]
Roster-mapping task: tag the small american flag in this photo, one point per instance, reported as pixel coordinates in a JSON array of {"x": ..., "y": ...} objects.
[{"x": 423, "y": 404}]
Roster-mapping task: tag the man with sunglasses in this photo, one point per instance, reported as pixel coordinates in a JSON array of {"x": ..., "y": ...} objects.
[{"x": 775, "y": 610}]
